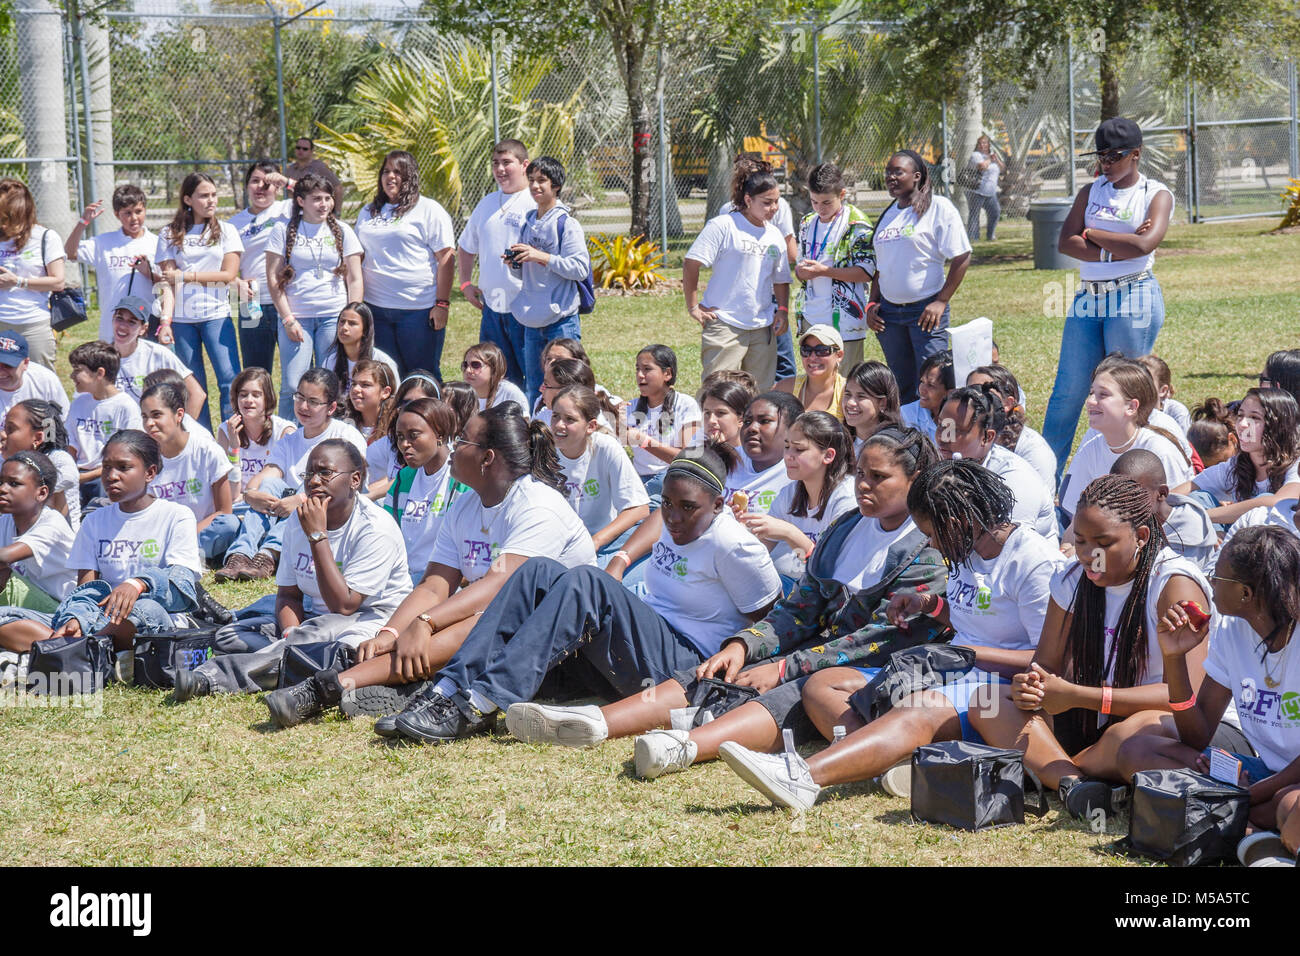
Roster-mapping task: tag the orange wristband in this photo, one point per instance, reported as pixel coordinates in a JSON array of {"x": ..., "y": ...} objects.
[
  {"x": 1183, "y": 704},
  {"x": 1106, "y": 693}
]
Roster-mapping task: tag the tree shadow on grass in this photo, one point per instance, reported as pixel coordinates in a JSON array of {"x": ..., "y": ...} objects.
[{"x": 731, "y": 809}]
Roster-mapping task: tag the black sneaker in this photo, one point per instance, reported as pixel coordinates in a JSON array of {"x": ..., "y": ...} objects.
[
  {"x": 210, "y": 609},
  {"x": 380, "y": 701},
  {"x": 1081, "y": 797},
  {"x": 386, "y": 727},
  {"x": 290, "y": 706},
  {"x": 187, "y": 684},
  {"x": 437, "y": 719}
]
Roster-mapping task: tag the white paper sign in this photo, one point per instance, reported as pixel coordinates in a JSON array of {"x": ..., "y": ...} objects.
[{"x": 972, "y": 346}]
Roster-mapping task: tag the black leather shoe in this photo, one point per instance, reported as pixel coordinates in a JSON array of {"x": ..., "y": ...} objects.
[
  {"x": 378, "y": 700},
  {"x": 437, "y": 719},
  {"x": 210, "y": 609},
  {"x": 290, "y": 706},
  {"x": 187, "y": 684},
  {"x": 1081, "y": 797}
]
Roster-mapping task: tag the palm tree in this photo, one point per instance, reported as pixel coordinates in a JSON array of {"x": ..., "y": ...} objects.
[{"x": 437, "y": 105}]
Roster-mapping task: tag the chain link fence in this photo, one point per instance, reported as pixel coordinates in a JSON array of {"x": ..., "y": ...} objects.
[{"x": 154, "y": 92}]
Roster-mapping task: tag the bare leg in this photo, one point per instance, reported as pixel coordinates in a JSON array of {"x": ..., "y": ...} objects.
[
  {"x": 645, "y": 710},
  {"x": 871, "y": 750},
  {"x": 750, "y": 725},
  {"x": 826, "y": 699},
  {"x": 1006, "y": 725},
  {"x": 1288, "y": 817},
  {"x": 1101, "y": 759},
  {"x": 1153, "y": 752},
  {"x": 19, "y": 636},
  {"x": 383, "y": 669}
]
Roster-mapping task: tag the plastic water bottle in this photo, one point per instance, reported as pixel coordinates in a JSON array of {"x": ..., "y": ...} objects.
[
  {"x": 254, "y": 306},
  {"x": 837, "y": 733}
]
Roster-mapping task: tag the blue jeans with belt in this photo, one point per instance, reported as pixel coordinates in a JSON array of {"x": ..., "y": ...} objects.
[
  {"x": 297, "y": 357},
  {"x": 906, "y": 345},
  {"x": 409, "y": 339},
  {"x": 1126, "y": 320},
  {"x": 258, "y": 531},
  {"x": 218, "y": 337},
  {"x": 545, "y": 613}
]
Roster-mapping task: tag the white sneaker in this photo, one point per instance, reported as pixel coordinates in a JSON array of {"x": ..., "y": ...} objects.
[
  {"x": 569, "y": 726},
  {"x": 897, "y": 780},
  {"x": 1260, "y": 845},
  {"x": 783, "y": 778},
  {"x": 664, "y": 751}
]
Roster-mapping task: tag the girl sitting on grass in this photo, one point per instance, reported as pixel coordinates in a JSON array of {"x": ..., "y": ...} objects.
[
  {"x": 37, "y": 425},
  {"x": 935, "y": 380},
  {"x": 484, "y": 367},
  {"x": 354, "y": 341},
  {"x": 34, "y": 539},
  {"x": 423, "y": 491},
  {"x": 722, "y": 408},
  {"x": 248, "y": 436},
  {"x": 662, "y": 421},
  {"x": 870, "y": 401},
  {"x": 372, "y": 408},
  {"x": 1016, "y": 435}
]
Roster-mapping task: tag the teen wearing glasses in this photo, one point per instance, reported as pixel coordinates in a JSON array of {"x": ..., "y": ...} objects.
[
  {"x": 273, "y": 494},
  {"x": 342, "y": 551},
  {"x": 821, "y": 386},
  {"x": 1113, "y": 229}
]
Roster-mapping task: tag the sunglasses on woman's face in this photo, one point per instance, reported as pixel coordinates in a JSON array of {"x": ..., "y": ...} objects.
[
  {"x": 474, "y": 364},
  {"x": 821, "y": 351},
  {"x": 1114, "y": 156}
]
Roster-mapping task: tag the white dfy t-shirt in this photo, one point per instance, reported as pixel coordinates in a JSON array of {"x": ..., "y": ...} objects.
[
  {"x": 424, "y": 507},
  {"x": 112, "y": 255},
  {"x": 1119, "y": 210},
  {"x": 911, "y": 252},
  {"x": 1002, "y": 602},
  {"x": 368, "y": 549},
  {"x": 197, "y": 302},
  {"x": 147, "y": 357},
  {"x": 188, "y": 478},
  {"x": 253, "y": 458},
  {"x": 255, "y": 233},
  {"x": 533, "y": 520},
  {"x": 400, "y": 265},
  {"x": 315, "y": 290},
  {"x": 92, "y": 422},
  {"x": 1269, "y": 715},
  {"x": 118, "y": 545},
  {"x": 291, "y": 451},
  {"x": 50, "y": 539},
  {"x": 666, "y": 429},
  {"x": 761, "y": 486},
  {"x": 38, "y": 382},
  {"x": 601, "y": 482},
  {"x": 704, "y": 589},
  {"x": 747, "y": 261},
  {"x": 841, "y": 501},
  {"x": 494, "y": 226}
]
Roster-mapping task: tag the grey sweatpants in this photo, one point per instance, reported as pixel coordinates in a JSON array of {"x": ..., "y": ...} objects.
[{"x": 248, "y": 661}]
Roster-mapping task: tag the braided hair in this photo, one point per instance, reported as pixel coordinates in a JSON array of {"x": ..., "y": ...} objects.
[
  {"x": 985, "y": 404},
  {"x": 46, "y": 418},
  {"x": 1008, "y": 388},
  {"x": 960, "y": 500},
  {"x": 1085, "y": 642},
  {"x": 301, "y": 190}
]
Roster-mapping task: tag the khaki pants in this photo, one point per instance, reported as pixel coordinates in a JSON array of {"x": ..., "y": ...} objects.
[
  {"x": 723, "y": 346},
  {"x": 40, "y": 343},
  {"x": 852, "y": 355}
]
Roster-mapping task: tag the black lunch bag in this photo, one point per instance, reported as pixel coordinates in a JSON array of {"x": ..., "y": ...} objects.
[
  {"x": 971, "y": 786},
  {"x": 160, "y": 655},
  {"x": 63, "y": 666},
  {"x": 1185, "y": 818}
]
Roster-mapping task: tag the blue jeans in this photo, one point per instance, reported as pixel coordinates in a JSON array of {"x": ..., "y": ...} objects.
[
  {"x": 257, "y": 339},
  {"x": 257, "y": 531},
  {"x": 785, "y": 367},
  {"x": 503, "y": 330},
  {"x": 906, "y": 345},
  {"x": 1126, "y": 320},
  {"x": 297, "y": 357},
  {"x": 171, "y": 589},
  {"x": 216, "y": 538},
  {"x": 546, "y": 613},
  {"x": 218, "y": 337},
  {"x": 405, "y": 334},
  {"x": 569, "y": 327},
  {"x": 992, "y": 212}
]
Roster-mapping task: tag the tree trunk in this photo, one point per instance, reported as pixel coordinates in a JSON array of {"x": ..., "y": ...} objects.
[
  {"x": 969, "y": 127},
  {"x": 642, "y": 138},
  {"x": 719, "y": 182},
  {"x": 101, "y": 110},
  {"x": 39, "y": 33},
  {"x": 1108, "y": 61}
]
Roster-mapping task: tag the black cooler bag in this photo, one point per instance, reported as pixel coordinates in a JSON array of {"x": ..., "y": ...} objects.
[
  {"x": 1185, "y": 818},
  {"x": 63, "y": 666},
  {"x": 159, "y": 656},
  {"x": 970, "y": 786}
]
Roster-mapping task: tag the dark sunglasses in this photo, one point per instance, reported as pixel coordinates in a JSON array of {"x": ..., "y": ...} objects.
[
  {"x": 1114, "y": 156},
  {"x": 474, "y": 364},
  {"x": 821, "y": 351}
]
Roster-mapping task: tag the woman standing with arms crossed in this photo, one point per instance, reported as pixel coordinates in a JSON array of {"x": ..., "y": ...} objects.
[
  {"x": 1113, "y": 229},
  {"x": 750, "y": 267},
  {"x": 916, "y": 235},
  {"x": 198, "y": 256},
  {"x": 408, "y": 265}
]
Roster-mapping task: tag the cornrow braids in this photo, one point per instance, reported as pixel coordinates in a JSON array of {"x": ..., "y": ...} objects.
[
  {"x": 1008, "y": 389},
  {"x": 1085, "y": 642},
  {"x": 961, "y": 500}
]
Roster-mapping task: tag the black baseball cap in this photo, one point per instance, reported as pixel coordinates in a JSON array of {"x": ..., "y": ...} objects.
[{"x": 1118, "y": 132}]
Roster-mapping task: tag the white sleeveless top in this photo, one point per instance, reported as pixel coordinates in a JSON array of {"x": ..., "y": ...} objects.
[{"x": 1119, "y": 210}]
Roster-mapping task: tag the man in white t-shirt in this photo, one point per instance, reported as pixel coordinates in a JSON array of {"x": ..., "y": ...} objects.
[
  {"x": 21, "y": 380},
  {"x": 493, "y": 227},
  {"x": 121, "y": 257}
]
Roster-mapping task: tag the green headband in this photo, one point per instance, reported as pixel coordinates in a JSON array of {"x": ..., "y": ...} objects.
[{"x": 694, "y": 469}]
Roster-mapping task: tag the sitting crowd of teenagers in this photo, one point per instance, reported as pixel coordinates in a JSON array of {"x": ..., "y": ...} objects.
[{"x": 522, "y": 541}]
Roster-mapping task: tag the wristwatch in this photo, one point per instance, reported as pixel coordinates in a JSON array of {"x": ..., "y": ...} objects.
[{"x": 317, "y": 536}]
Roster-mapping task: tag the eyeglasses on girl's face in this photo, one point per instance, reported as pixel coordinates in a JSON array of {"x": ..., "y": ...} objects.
[
  {"x": 472, "y": 364},
  {"x": 307, "y": 400},
  {"x": 462, "y": 440}
]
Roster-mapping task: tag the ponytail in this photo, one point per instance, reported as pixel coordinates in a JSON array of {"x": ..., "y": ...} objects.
[{"x": 545, "y": 459}]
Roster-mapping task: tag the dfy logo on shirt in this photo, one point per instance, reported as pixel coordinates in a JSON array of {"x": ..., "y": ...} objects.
[
  {"x": 973, "y": 596},
  {"x": 893, "y": 232},
  {"x": 574, "y": 490},
  {"x": 669, "y": 561},
  {"x": 480, "y": 552},
  {"x": 119, "y": 262},
  {"x": 1275, "y": 709},
  {"x": 1111, "y": 210},
  {"x": 305, "y": 564},
  {"x": 146, "y": 550},
  {"x": 419, "y": 510},
  {"x": 171, "y": 490}
]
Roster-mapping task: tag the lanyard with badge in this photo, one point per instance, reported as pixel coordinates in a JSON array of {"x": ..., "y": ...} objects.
[{"x": 815, "y": 251}]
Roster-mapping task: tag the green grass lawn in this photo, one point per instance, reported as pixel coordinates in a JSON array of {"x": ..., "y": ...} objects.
[{"x": 209, "y": 782}]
